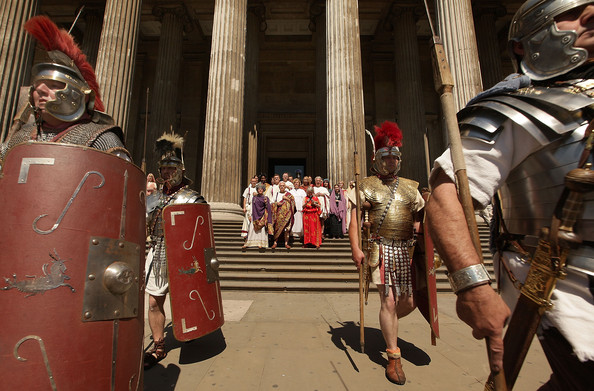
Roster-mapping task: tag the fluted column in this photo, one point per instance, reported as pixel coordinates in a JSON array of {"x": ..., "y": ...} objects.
[
  {"x": 93, "y": 16},
  {"x": 345, "y": 126},
  {"x": 485, "y": 14},
  {"x": 221, "y": 172},
  {"x": 117, "y": 57},
  {"x": 163, "y": 100},
  {"x": 456, "y": 28},
  {"x": 411, "y": 103},
  {"x": 15, "y": 54},
  {"x": 250, "y": 157},
  {"x": 320, "y": 140}
]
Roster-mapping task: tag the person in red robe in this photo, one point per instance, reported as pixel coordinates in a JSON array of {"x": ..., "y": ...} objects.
[{"x": 312, "y": 227}]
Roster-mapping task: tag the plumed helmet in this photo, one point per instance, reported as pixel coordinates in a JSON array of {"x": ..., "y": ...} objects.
[
  {"x": 68, "y": 65},
  {"x": 170, "y": 149},
  {"x": 548, "y": 52},
  {"x": 387, "y": 140}
]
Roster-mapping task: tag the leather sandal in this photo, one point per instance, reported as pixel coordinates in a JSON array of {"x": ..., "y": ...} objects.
[
  {"x": 394, "y": 371},
  {"x": 156, "y": 354}
]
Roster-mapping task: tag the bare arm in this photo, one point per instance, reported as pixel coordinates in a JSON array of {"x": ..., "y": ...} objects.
[
  {"x": 479, "y": 307},
  {"x": 354, "y": 231}
]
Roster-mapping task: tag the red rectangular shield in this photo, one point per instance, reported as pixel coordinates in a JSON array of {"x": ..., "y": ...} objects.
[
  {"x": 71, "y": 264},
  {"x": 195, "y": 292}
]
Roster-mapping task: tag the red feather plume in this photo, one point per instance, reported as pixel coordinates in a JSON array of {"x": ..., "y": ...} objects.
[
  {"x": 389, "y": 135},
  {"x": 53, "y": 38}
]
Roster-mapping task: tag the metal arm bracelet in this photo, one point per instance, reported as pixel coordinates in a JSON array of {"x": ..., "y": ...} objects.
[{"x": 469, "y": 277}]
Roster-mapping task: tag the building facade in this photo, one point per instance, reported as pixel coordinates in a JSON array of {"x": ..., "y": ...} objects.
[{"x": 269, "y": 85}]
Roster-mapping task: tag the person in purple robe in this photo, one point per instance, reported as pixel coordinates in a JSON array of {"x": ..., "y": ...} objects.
[{"x": 261, "y": 221}]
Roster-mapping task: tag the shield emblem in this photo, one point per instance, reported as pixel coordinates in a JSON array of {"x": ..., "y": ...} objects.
[
  {"x": 195, "y": 292},
  {"x": 72, "y": 248}
]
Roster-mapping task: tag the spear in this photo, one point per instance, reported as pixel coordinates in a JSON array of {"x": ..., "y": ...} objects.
[
  {"x": 143, "y": 164},
  {"x": 444, "y": 85},
  {"x": 363, "y": 266}
]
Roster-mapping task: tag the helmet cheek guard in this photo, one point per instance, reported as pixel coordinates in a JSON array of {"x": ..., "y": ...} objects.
[
  {"x": 548, "y": 51},
  {"x": 379, "y": 165},
  {"x": 176, "y": 163},
  {"x": 70, "y": 103}
]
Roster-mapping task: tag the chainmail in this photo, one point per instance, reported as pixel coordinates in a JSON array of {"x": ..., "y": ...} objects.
[
  {"x": 99, "y": 136},
  {"x": 107, "y": 141}
]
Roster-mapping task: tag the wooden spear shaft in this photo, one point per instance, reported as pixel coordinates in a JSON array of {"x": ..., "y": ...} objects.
[{"x": 444, "y": 84}]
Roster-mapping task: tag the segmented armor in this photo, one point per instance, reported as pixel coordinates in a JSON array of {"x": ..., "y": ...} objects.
[{"x": 556, "y": 117}]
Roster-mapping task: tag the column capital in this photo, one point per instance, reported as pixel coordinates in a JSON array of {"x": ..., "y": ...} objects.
[
  {"x": 179, "y": 10},
  {"x": 489, "y": 7},
  {"x": 316, "y": 9},
  {"x": 397, "y": 9},
  {"x": 259, "y": 9}
]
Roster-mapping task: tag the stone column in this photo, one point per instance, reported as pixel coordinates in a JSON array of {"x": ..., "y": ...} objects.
[
  {"x": 320, "y": 140},
  {"x": 456, "y": 29},
  {"x": 411, "y": 104},
  {"x": 486, "y": 13},
  {"x": 93, "y": 16},
  {"x": 252, "y": 152},
  {"x": 163, "y": 96},
  {"x": 117, "y": 57},
  {"x": 221, "y": 171},
  {"x": 384, "y": 89},
  {"x": 346, "y": 122},
  {"x": 15, "y": 57},
  {"x": 250, "y": 158}
]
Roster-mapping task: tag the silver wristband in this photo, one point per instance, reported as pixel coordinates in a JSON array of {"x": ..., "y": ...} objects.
[{"x": 469, "y": 277}]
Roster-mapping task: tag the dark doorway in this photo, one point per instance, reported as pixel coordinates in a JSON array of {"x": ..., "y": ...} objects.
[{"x": 291, "y": 166}]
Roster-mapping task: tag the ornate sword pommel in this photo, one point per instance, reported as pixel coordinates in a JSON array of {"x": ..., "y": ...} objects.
[
  {"x": 578, "y": 181},
  {"x": 366, "y": 205}
]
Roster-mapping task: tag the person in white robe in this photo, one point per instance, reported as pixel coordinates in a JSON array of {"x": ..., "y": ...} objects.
[
  {"x": 299, "y": 195},
  {"x": 248, "y": 195}
]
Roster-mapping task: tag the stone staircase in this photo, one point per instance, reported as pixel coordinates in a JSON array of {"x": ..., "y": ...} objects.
[{"x": 329, "y": 269}]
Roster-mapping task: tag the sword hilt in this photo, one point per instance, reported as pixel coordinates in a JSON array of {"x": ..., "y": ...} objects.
[{"x": 579, "y": 182}]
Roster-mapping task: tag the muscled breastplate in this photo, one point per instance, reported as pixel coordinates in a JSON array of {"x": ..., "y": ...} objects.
[{"x": 398, "y": 221}]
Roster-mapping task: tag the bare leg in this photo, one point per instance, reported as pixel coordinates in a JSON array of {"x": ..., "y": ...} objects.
[
  {"x": 156, "y": 316},
  {"x": 390, "y": 311}
]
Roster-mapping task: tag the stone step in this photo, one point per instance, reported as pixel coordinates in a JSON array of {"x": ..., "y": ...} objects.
[
  {"x": 304, "y": 286},
  {"x": 328, "y": 269}
]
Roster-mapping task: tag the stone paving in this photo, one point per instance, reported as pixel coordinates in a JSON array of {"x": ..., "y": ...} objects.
[{"x": 302, "y": 341}]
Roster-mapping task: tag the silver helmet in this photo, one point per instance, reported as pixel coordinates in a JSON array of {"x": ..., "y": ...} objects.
[
  {"x": 71, "y": 101},
  {"x": 548, "y": 52},
  {"x": 379, "y": 165}
]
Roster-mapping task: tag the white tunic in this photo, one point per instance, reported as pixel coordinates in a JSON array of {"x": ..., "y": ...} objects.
[
  {"x": 488, "y": 166},
  {"x": 299, "y": 195}
]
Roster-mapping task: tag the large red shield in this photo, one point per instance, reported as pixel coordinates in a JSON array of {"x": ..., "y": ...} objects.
[
  {"x": 426, "y": 291},
  {"x": 195, "y": 293},
  {"x": 71, "y": 266}
]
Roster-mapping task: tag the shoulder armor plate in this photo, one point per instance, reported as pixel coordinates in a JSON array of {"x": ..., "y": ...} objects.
[{"x": 545, "y": 113}]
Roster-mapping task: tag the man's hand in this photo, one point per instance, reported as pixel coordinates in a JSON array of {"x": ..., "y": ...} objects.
[
  {"x": 483, "y": 310},
  {"x": 358, "y": 257}
]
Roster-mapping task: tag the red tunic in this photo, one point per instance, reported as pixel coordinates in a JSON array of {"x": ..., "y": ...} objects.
[{"x": 312, "y": 228}]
